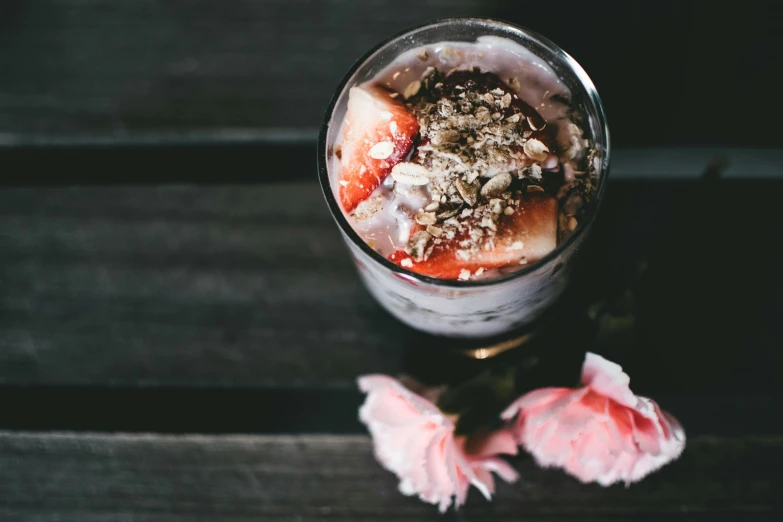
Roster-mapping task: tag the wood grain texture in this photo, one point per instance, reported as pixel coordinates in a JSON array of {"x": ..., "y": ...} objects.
[
  {"x": 253, "y": 163},
  {"x": 181, "y": 284},
  {"x": 252, "y": 286},
  {"x": 86, "y": 478},
  {"x": 253, "y": 70}
]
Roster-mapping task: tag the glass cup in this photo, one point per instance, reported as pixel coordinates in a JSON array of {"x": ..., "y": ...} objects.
[{"x": 485, "y": 307}]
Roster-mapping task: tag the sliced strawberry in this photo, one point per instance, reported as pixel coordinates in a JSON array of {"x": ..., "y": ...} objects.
[
  {"x": 379, "y": 132},
  {"x": 528, "y": 234}
]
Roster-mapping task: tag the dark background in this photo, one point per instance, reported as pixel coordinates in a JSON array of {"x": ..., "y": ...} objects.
[
  {"x": 136, "y": 282},
  {"x": 673, "y": 73},
  {"x": 168, "y": 267}
]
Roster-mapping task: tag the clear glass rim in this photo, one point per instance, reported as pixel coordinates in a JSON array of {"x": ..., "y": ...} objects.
[{"x": 592, "y": 207}]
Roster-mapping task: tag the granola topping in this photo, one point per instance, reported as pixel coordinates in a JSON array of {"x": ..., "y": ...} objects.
[
  {"x": 481, "y": 149},
  {"x": 368, "y": 208},
  {"x": 410, "y": 174},
  {"x": 382, "y": 150}
]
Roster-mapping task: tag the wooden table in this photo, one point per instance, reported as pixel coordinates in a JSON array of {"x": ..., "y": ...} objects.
[
  {"x": 185, "y": 351},
  {"x": 181, "y": 326}
]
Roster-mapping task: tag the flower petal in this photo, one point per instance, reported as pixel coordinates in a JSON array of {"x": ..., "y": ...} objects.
[
  {"x": 500, "y": 442},
  {"x": 502, "y": 468},
  {"x": 607, "y": 378},
  {"x": 416, "y": 441},
  {"x": 484, "y": 477},
  {"x": 534, "y": 398},
  {"x": 599, "y": 433}
]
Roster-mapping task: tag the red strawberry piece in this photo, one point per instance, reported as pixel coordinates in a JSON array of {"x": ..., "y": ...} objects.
[
  {"x": 526, "y": 235},
  {"x": 378, "y": 133}
]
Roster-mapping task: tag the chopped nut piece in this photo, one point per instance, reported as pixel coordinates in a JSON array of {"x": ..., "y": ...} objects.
[
  {"x": 382, "y": 150},
  {"x": 535, "y": 188},
  {"x": 479, "y": 271},
  {"x": 444, "y": 136},
  {"x": 407, "y": 263},
  {"x": 463, "y": 254},
  {"x": 505, "y": 101},
  {"x": 344, "y": 182},
  {"x": 410, "y": 174},
  {"x": 508, "y": 211},
  {"x": 367, "y": 208},
  {"x": 426, "y": 218},
  {"x": 445, "y": 108},
  {"x": 447, "y": 214},
  {"x": 517, "y": 245},
  {"x": 417, "y": 245},
  {"x": 572, "y": 223},
  {"x": 434, "y": 231},
  {"x": 432, "y": 206},
  {"x": 464, "y": 274},
  {"x": 468, "y": 191},
  {"x": 496, "y": 185},
  {"x": 531, "y": 171},
  {"x": 536, "y": 150},
  {"x": 412, "y": 89},
  {"x": 422, "y": 55},
  {"x": 488, "y": 222}
]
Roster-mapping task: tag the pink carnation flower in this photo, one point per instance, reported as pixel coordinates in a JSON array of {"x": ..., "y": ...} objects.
[
  {"x": 416, "y": 441},
  {"x": 600, "y": 433}
]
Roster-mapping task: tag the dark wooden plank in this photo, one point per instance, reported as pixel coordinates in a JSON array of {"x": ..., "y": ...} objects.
[
  {"x": 85, "y": 478},
  {"x": 252, "y": 286},
  {"x": 314, "y": 409},
  {"x": 156, "y": 164},
  {"x": 181, "y": 284},
  {"x": 77, "y": 71},
  {"x": 252, "y": 163}
]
